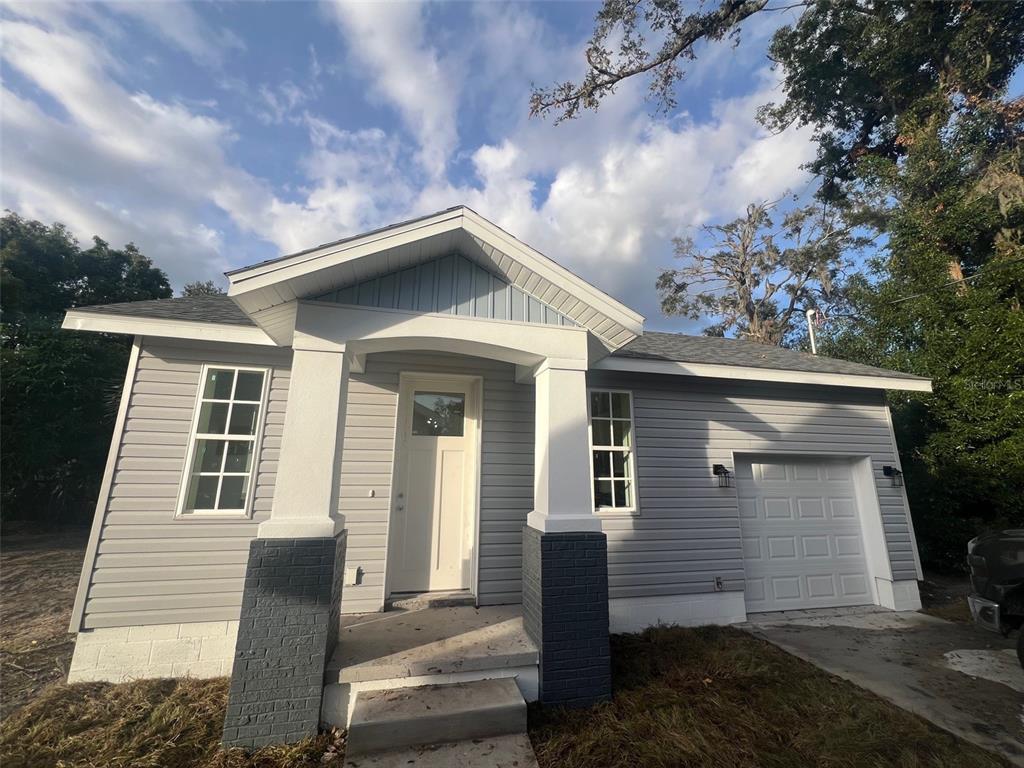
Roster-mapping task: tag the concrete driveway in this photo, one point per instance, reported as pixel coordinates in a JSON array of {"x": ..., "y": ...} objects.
[{"x": 960, "y": 677}]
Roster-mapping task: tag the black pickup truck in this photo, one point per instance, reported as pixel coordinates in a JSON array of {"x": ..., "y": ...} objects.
[{"x": 996, "y": 561}]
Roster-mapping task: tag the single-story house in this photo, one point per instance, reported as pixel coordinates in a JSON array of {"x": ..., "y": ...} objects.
[{"x": 435, "y": 408}]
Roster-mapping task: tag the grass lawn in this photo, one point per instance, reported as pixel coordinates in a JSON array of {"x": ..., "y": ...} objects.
[
  {"x": 712, "y": 696},
  {"x": 716, "y": 696}
]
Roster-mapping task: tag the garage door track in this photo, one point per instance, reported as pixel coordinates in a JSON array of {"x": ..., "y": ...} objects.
[{"x": 960, "y": 677}]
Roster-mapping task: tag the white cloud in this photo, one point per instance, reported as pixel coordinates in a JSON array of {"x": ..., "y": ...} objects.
[
  {"x": 132, "y": 167},
  {"x": 603, "y": 195},
  {"x": 388, "y": 41},
  {"x": 181, "y": 25}
]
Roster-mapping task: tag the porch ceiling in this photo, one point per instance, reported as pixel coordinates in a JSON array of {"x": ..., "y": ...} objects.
[{"x": 263, "y": 290}]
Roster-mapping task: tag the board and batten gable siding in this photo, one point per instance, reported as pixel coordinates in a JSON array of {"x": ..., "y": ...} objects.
[
  {"x": 687, "y": 531},
  {"x": 149, "y": 567},
  {"x": 506, "y": 471},
  {"x": 451, "y": 285}
]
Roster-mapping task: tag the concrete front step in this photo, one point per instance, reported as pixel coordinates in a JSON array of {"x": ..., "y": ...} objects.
[
  {"x": 513, "y": 751},
  {"x": 423, "y": 600},
  {"x": 434, "y": 714}
]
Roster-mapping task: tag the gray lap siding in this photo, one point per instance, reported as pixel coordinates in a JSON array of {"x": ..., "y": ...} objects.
[
  {"x": 687, "y": 530},
  {"x": 151, "y": 568}
]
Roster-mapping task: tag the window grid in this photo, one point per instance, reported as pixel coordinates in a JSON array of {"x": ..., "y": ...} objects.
[
  {"x": 612, "y": 461},
  {"x": 225, "y": 439}
]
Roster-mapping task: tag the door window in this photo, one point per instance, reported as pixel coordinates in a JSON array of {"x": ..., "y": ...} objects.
[{"x": 438, "y": 414}]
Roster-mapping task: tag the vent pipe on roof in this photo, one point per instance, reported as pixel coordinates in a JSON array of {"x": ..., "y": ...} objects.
[{"x": 809, "y": 314}]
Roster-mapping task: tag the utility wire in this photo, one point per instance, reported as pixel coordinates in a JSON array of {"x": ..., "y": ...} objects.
[{"x": 975, "y": 276}]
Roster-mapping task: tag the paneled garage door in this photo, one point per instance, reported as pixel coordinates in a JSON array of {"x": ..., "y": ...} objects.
[{"x": 802, "y": 542}]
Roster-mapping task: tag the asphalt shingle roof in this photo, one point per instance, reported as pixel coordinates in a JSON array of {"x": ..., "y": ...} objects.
[
  {"x": 653, "y": 345},
  {"x": 202, "y": 309},
  {"x": 712, "y": 350}
]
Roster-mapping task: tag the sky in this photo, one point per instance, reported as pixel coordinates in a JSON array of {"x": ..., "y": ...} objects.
[{"x": 217, "y": 135}]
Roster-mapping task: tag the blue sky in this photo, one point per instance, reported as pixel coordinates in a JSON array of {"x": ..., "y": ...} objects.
[{"x": 217, "y": 135}]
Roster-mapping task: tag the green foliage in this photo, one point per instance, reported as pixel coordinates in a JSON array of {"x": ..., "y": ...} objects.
[
  {"x": 202, "y": 288},
  {"x": 856, "y": 70},
  {"x": 908, "y": 104},
  {"x": 59, "y": 390}
]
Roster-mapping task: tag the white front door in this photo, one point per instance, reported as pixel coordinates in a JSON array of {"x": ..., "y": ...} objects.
[
  {"x": 801, "y": 532},
  {"x": 433, "y": 513}
]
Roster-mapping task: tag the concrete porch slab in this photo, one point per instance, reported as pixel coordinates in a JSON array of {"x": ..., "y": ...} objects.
[{"x": 436, "y": 641}]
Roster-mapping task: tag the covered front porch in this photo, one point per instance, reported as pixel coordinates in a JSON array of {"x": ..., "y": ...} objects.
[
  {"x": 348, "y": 530},
  {"x": 375, "y": 540}
]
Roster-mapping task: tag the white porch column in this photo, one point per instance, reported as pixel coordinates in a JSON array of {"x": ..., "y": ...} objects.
[
  {"x": 562, "y": 497},
  {"x": 306, "y": 488}
]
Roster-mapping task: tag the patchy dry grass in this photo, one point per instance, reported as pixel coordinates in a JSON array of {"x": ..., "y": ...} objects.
[
  {"x": 38, "y": 578},
  {"x": 144, "y": 724},
  {"x": 716, "y": 696}
]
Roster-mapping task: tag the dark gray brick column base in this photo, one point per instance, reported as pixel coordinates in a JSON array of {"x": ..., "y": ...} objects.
[
  {"x": 565, "y": 612},
  {"x": 291, "y": 610}
]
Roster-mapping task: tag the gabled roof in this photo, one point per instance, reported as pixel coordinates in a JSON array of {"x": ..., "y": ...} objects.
[{"x": 263, "y": 289}]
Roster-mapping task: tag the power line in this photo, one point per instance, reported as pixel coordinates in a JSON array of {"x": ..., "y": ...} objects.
[{"x": 975, "y": 276}]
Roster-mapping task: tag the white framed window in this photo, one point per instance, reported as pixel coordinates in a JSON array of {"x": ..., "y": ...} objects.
[
  {"x": 220, "y": 465},
  {"x": 613, "y": 461}
]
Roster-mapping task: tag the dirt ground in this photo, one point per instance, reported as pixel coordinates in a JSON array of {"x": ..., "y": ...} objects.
[
  {"x": 945, "y": 596},
  {"x": 38, "y": 577}
]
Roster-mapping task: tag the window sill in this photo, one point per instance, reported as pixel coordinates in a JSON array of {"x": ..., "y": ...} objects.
[
  {"x": 611, "y": 512},
  {"x": 213, "y": 516}
]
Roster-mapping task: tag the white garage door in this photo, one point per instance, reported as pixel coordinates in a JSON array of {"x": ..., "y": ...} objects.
[{"x": 802, "y": 542}]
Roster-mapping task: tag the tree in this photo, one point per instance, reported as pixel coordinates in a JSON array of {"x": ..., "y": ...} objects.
[
  {"x": 202, "y": 288},
  {"x": 626, "y": 25},
  {"x": 59, "y": 390},
  {"x": 757, "y": 281},
  {"x": 908, "y": 102},
  {"x": 917, "y": 142},
  {"x": 862, "y": 71}
]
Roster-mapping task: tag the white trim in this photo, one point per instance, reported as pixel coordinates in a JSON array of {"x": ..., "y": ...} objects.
[
  {"x": 180, "y": 513},
  {"x": 898, "y": 595},
  {"x": 102, "y": 499},
  {"x": 363, "y": 330},
  {"x": 612, "y": 512},
  {"x": 472, "y": 385},
  {"x": 99, "y": 322},
  {"x": 749, "y": 373},
  {"x": 338, "y": 253},
  {"x": 263, "y": 286}
]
